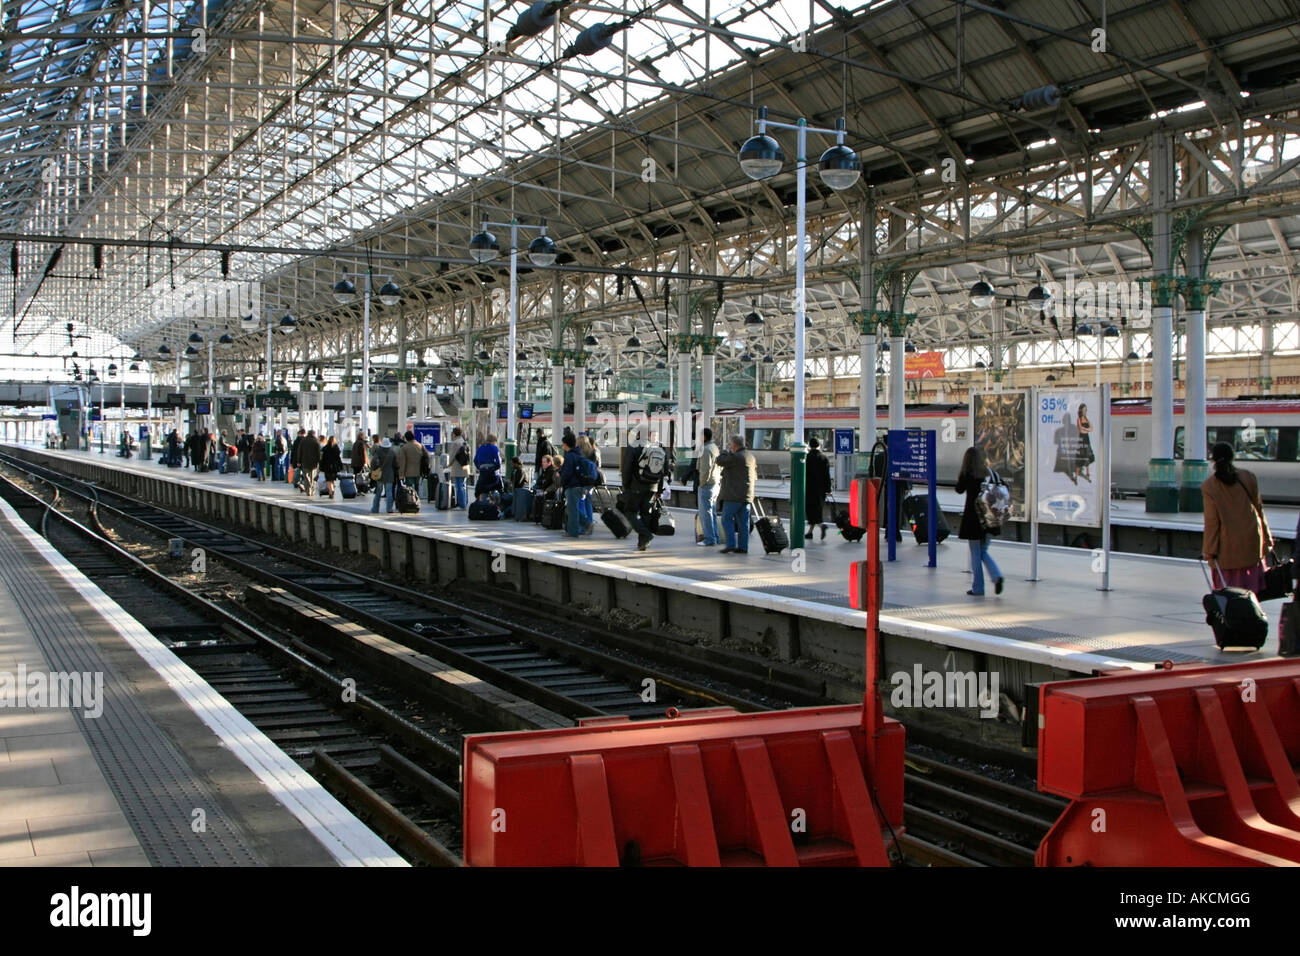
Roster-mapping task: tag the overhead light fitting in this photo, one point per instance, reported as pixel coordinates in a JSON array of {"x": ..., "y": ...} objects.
[{"x": 484, "y": 247}]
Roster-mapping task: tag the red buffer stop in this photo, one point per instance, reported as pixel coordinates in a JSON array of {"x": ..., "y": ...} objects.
[{"x": 820, "y": 786}]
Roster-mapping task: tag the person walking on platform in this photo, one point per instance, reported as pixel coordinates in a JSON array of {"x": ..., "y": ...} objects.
[
  {"x": 974, "y": 469},
  {"x": 458, "y": 464},
  {"x": 358, "y": 459},
  {"x": 544, "y": 450},
  {"x": 817, "y": 485},
  {"x": 309, "y": 452},
  {"x": 739, "y": 479},
  {"x": 1236, "y": 532},
  {"x": 383, "y": 460},
  {"x": 331, "y": 463},
  {"x": 257, "y": 458},
  {"x": 638, "y": 493},
  {"x": 577, "y": 520},
  {"x": 706, "y": 496},
  {"x": 409, "y": 457}
]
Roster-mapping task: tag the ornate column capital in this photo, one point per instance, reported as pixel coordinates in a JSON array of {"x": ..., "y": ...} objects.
[
  {"x": 1196, "y": 291},
  {"x": 1163, "y": 289}
]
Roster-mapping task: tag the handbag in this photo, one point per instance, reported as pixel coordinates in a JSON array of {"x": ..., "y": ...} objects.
[
  {"x": 376, "y": 475},
  {"x": 1278, "y": 577},
  {"x": 992, "y": 503}
]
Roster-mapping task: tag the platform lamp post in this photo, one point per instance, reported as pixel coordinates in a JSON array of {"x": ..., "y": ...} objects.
[
  {"x": 760, "y": 157},
  {"x": 484, "y": 247},
  {"x": 345, "y": 291}
]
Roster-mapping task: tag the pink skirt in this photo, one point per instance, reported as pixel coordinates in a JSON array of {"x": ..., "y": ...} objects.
[{"x": 1252, "y": 578}]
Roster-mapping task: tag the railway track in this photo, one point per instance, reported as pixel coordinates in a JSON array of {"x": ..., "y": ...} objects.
[
  {"x": 362, "y": 747},
  {"x": 953, "y": 817}
]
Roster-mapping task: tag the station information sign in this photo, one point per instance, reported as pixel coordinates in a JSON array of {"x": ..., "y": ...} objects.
[{"x": 911, "y": 454}]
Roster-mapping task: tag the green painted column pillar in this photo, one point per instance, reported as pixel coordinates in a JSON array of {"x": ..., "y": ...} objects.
[{"x": 798, "y": 495}]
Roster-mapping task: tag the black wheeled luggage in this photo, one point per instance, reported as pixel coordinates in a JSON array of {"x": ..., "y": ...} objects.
[
  {"x": 408, "y": 503},
  {"x": 445, "y": 491},
  {"x": 1235, "y": 616},
  {"x": 616, "y": 522},
  {"x": 770, "y": 531},
  {"x": 553, "y": 514},
  {"x": 915, "y": 513},
  {"x": 347, "y": 485}
]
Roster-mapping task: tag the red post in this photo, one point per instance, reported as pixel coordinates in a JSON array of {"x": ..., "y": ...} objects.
[{"x": 873, "y": 714}]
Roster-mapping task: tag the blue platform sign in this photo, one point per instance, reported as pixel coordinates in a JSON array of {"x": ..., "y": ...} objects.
[
  {"x": 912, "y": 459},
  {"x": 911, "y": 455},
  {"x": 428, "y": 434},
  {"x": 844, "y": 441}
]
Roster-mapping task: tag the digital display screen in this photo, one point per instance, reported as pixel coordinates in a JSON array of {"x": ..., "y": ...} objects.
[
  {"x": 526, "y": 410},
  {"x": 202, "y": 406},
  {"x": 229, "y": 406}
]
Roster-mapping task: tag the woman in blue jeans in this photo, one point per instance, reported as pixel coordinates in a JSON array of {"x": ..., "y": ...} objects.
[{"x": 973, "y": 471}]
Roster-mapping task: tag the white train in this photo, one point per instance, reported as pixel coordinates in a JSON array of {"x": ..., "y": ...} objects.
[{"x": 1265, "y": 436}]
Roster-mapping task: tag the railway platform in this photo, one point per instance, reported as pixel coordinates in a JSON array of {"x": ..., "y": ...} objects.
[
  {"x": 774, "y": 606},
  {"x": 114, "y": 753}
]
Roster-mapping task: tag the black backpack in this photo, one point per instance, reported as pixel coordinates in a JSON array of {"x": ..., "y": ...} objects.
[{"x": 462, "y": 456}]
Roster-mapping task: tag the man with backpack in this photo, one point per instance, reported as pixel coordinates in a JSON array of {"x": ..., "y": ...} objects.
[
  {"x": 642, "y": 470},
  {"x": 575, "y": 478}
]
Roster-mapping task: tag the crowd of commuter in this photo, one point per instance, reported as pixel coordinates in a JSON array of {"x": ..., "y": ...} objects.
[{"x": 564, "y": 489}]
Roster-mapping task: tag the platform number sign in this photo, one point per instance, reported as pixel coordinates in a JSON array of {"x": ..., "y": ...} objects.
[
  {"x": 844, "y": 441},
  {"x": 429, "y": 435}
]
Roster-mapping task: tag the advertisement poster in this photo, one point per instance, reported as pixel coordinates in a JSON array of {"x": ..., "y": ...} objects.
[
  {"x": 923, "y": 365},
  {"x": 999, "y": 422},
  {"x": 1069, "y": 468}
]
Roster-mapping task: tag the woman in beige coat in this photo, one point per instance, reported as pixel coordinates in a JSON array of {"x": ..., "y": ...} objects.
[{"x": 1236, "y": 531}]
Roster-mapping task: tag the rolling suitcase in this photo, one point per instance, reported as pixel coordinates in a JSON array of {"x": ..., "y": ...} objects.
[
  {"x": 915, "y": 509},
  {"x": 616, "y": 522},
  {"x": 1235, "y": 616},
  {"x": 553, "y": 514},
  {"x": 522, "y": 508},
  {"x": 407, "y": 502},
  {"x": 445, "y": 491},
  {"x": 539, "y": 502},
  {"x": 431, "y": 487},
  {"x": 347, "y": 486},
  {"x": 771, "y": 531},
  {"x": 1289, "y": 639}
]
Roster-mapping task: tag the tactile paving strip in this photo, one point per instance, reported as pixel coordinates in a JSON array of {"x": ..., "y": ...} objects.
[{"x": 151, "y": 779}]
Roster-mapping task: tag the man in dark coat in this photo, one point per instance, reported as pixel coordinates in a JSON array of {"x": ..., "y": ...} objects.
[
  {"x": 544, "y": 448},
  {"x": 309, "y": 460},
  {"x": 817, "y": 485},
  {"x": 636, "y": 497}
]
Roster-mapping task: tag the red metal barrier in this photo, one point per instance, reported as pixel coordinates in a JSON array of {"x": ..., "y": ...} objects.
[
  {"x": 814, "y": 786},
  {"x": 1185, "y": 766}
]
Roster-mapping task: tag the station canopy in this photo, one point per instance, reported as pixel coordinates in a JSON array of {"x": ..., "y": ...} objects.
[{"x": 172, "y": 168}]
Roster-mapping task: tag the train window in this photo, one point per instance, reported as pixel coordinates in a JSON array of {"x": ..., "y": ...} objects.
[
  {"x": 826, "y": 436},
  {"x": 1288, "y": 444},
  {"x": 1255, "y": 444},
  {"x": 768, "y": 439}
]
